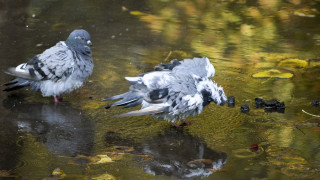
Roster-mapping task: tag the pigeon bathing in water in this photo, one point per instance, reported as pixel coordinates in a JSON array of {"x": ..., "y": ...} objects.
[
  {"x": 59, "y": 69},
  {"x": 172, "y": 92}
]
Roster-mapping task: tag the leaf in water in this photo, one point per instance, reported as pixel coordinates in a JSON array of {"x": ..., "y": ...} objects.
[
  {"x": 4, "y": 174},
  {"x": 246, "y": 153},
  {"x": 81, "y": 160},
  {"x": 105, "y": 176},
  {"x": 247, "y": 30},
  {"x": 56, "y": 174},
  {"x": 137, "y": 13},
  {"x": 293, "y": 63},
  {"x": 59, "y": 26},
  {"x": 290, "y": 162},
  {"x": 99, "y": 159},
  {"x": 103, "y": 159},
  {"x": 273, "y": 73},
  {"x": 306, "y": 12}
]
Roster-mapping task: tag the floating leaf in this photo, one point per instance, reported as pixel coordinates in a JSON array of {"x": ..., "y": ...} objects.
[
  {"x": 137, "y": 13},
  {"x": 244, "y": 153},
  {"x": 293, "y": 63},
  {"x": 59, "y": 26},
  {"x": 105, "y": 176},
  {"x": 273, "y": 73},
  {"x": 80, "y": 160},
  {"x": 99, "y": 159},
  {"x": 4, "y": 174},
  {"x": 306, "y": 12},
  {"x": 103, "y": 159}
]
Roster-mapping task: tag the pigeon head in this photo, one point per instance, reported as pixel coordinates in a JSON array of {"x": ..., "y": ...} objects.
[
  {"x": 80, "y": 41},
  {"x": 212, "y": 93}
]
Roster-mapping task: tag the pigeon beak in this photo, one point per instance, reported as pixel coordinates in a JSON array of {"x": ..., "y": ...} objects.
[{"x": 89, "y": 43}]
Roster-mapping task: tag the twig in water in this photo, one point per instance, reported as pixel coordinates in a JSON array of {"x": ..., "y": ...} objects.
[
  {"x": 166, "y": 59},
  {"x": 310, "y": 114},
  {"x": 266, "y": 80},
  {"x": 300, "y": 130}
]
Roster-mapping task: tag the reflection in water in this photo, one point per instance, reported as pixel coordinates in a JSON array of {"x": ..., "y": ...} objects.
[
  {"x": 180, "y": 155},
  {"x": 61, "y": 128}
]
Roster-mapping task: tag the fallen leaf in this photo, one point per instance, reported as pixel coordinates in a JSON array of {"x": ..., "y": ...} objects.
[
  {"x": 105, "y": 176},
  {"x": 273, "y": 73},
  {"x": 293, "y": 63},
  {"x": 103, "y": 159}
]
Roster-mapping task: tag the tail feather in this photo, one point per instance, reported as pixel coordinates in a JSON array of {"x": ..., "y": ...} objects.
[
  {"x": 145, "y": 111},
  {"x": 22, "y": 74},
  {"x": 16, "y": 84},
  {"x": 133, "y": 104},
  {"x": 129, "y": 99},
  {"x": 121, "y": 103},
  {"x": 120, "y": 96}
]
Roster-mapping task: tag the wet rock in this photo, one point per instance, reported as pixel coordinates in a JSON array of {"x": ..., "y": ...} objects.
[
  {"x": 259, "y": 102},
  {"x": 315, "y": 103},
  {"x": 245, "y": 108},
  {"x": 274, "y": 105},
  {"x": 254, "y": 148},
  {"x": 231, "y": 101}
]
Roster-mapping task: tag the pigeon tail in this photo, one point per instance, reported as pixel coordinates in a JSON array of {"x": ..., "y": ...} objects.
[
  {"x": 128, "y": 99},
  {"x": 16, "y": 84},
  {"x": 145, "y": 111}
]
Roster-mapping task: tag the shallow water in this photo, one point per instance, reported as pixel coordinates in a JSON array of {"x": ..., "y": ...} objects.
[{"x": 240, "y": 38}]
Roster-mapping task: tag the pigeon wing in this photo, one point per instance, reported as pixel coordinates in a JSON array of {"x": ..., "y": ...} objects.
[
  {"x": 198, "y": 67},
  {"x": 53, "y": 64},
  {"x": 183, "y": 95}
]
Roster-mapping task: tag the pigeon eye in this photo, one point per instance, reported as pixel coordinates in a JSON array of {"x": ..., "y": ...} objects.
[{"x": 82, "y": 38}]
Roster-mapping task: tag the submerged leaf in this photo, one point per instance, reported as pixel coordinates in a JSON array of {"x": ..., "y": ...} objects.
[
  {"x": 105, "y": 176},
  {"x": 103, "y": 159},
  {"x": 137, "y": 13},
  {"x": 293, "y": 63},
  {"x": 99, "y": 159},
  {"x": 4, "y": 174},
  {"x": 57, "y": 172},
  {"x": 273, "y": 73},
  {"x": 306, "y": 12}
]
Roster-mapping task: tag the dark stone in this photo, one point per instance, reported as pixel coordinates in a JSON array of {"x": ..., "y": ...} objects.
[
  {"x": 315, "y": 103},
  {"x": 245, "y": 108},
  {"x": 231, "y": 101},
  {"x": 274, "y": 105},
  {"x": 259, "y": 102}
]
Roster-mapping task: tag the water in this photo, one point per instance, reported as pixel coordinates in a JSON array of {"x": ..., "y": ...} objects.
[{"x": 240, "y": 38}]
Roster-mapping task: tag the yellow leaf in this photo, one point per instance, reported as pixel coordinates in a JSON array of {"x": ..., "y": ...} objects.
[
  {"x": 105, "y": 176},
  {"x": 103, "y": 159},
  {"x": 272, "y": 73},
  {"x": 137, "y": 13},
  {"x": 293, "y": 63}
]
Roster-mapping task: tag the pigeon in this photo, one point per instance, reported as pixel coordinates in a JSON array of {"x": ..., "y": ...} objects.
[
  {"x": 58, "y": 70},
  {"x": 173, "y": 91}
]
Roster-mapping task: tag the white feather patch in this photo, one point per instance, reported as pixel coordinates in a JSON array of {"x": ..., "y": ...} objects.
[{"x": 21, "y": 68}]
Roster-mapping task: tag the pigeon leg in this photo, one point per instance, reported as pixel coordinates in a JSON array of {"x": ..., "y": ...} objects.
[
  {"x": 176, "y": 125},
  {"x": 56, "y": 100},
  {"x": 186, "y": 122}
]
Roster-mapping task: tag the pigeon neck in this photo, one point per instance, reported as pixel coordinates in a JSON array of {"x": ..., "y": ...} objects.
[{"x": 84, "y": 50}]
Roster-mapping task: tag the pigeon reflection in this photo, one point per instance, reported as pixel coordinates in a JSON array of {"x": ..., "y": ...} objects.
[
  {"x": 178, "y": 154},
  {"x": 61, "y": 128}
]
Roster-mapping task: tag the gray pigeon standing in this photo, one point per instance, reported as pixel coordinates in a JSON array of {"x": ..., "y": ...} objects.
[
  {"x": 172, "y": 92},
  {"x": 58, "y": 70}
]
